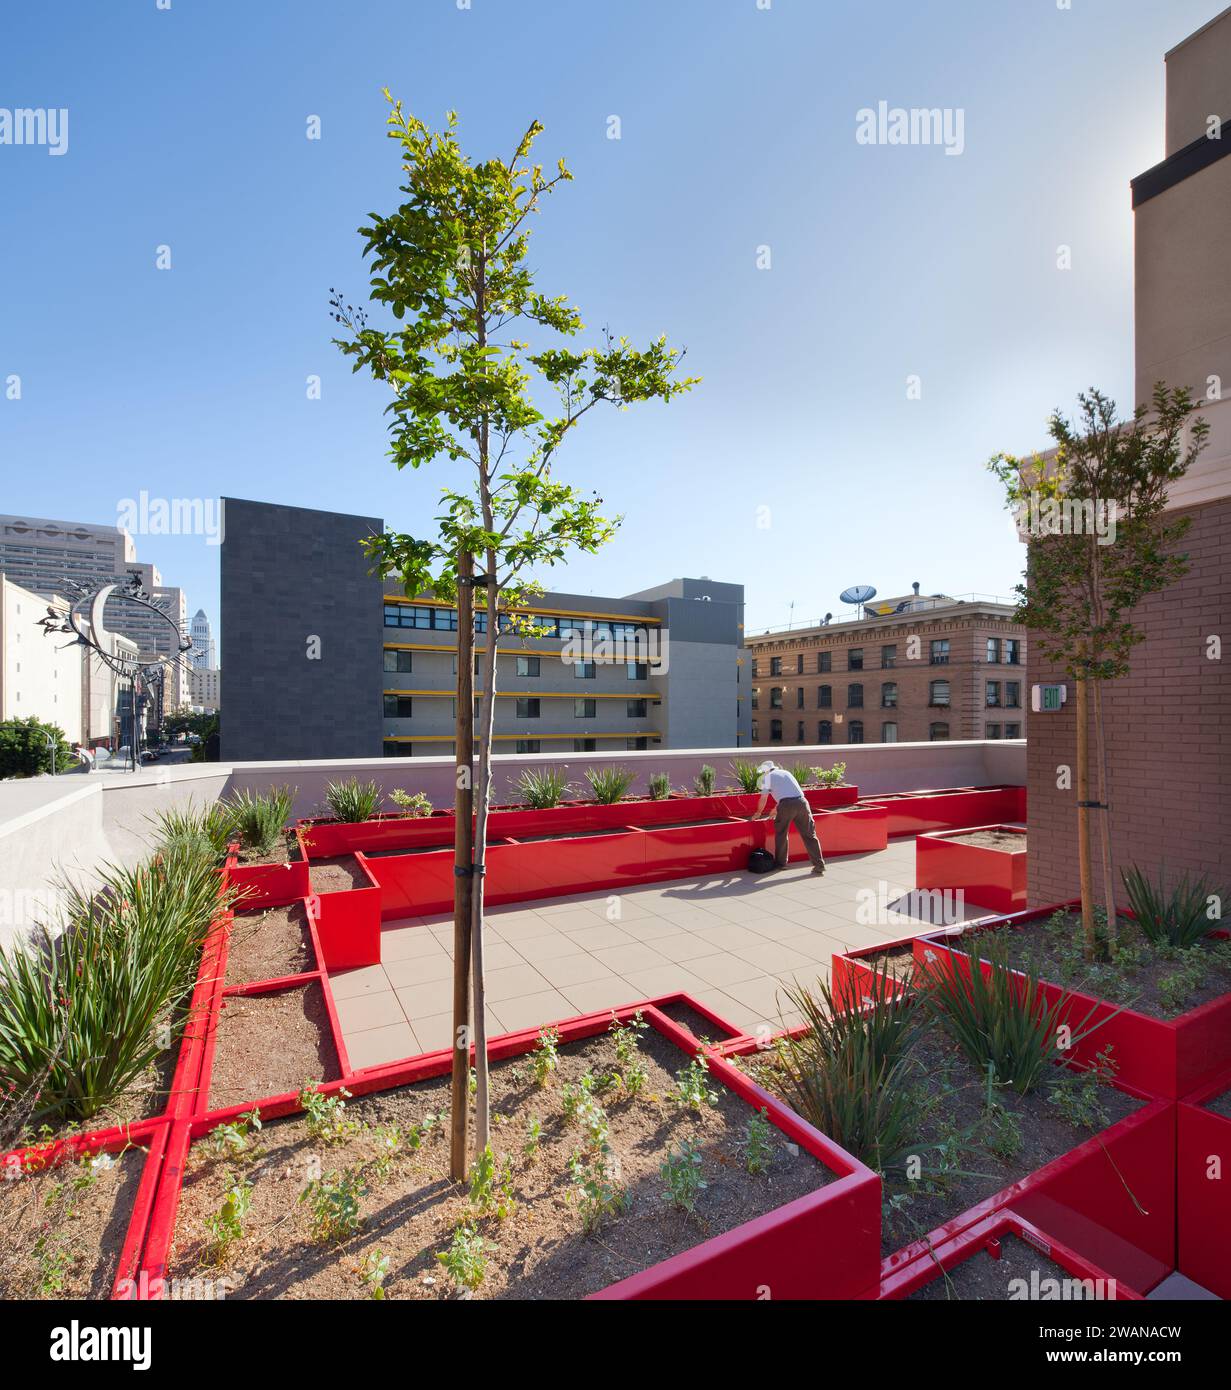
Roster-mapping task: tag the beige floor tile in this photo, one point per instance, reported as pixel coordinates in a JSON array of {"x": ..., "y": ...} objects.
[
  {"x": 681, "y": 946},
  {"x": 815, "y": 945},
  {"x": 436, "y": 1031},
  {"x": 534, "y": 1010},
  {"x": 634, "y": 956},
  {"x": 764, "y": 995},
  {"x": 651, "y": 928},
  {"x": 364, "y": 1011},
  {"x": 596, "y": 937},
  {"x": 727, "y": 936},
  {"x": 513, "y": 981},
  {"x": 368, "y": 979},
  {"x": 554, "y": 946},
  {"x": 403, "y": 943},
  {"x": 419, "y": 970},
  {"x": 595, "y": 995},
  {"x": 573, "y": 970},
  {"x": 434, "y": 997},
  {"x": 771, "y": 956},
  {"x": 376, "y": 1045},
  {"x": 723, "y": 969},
  {"x": 520, "y": 929},
  {"x": 663, "y": 979}
]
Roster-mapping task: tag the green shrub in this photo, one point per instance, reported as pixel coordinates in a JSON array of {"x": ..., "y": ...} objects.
[
  {"x": 1176, "y": 916},
  {"x": 256, "y": 820},
  {"x": 660, "y": 786},
  {"x": 203, "y": 830},
  {"x": 352, "y": 801},
  {"x": 26, "y": 748},
  {"x": 830, "y": 776},
  {"x": 542, "y": 790},
  {"x": 747, "y": 778},
  {"x": 703, "y": 783},
  {"x": 609, "y": 784},
  {"x": 414, "y": 805},
  {"x": 802, "y": 773}
]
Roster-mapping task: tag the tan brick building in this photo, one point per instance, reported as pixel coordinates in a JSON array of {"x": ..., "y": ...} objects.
[
  {"x": 1169, "y": 720},
  {"x": 913, "y": 670}
]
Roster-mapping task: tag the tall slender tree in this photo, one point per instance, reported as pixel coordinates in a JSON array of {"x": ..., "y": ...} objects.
[
  {"x": 1101, "y": 540},
  {"x": 449, "y": 263}
]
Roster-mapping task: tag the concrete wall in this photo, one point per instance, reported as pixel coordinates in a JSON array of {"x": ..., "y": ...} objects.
[{"x": 1197, "y": 82}]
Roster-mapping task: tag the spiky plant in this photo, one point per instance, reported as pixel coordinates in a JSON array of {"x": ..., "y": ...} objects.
[
  {"x": 1178, "y": 916},
  {"x": 257, "y": 818},
  {"x": 541, "y": 790},
  {"x": 352, "y": 800},
  {"x": 609, "y": 784}
]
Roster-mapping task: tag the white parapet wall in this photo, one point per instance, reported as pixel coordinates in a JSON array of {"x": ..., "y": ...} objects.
[{"x": 67, "y": 827}]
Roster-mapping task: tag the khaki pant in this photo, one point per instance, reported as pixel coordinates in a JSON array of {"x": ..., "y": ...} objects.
[{"x": 796, "y": 812}]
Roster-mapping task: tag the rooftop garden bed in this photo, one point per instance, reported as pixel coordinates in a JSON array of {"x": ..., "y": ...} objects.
[
  {"x": 986, "y": 863},
  {"x": 269, "y": 944},
  {"x": 266, "y": 1043}
]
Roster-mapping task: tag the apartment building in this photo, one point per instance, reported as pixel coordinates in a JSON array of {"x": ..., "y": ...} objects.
[
  {"x": 324, "y": 660},
  {"x": 205, "y": 688},
  {"x": 914, "y": 669},
  {"x": 1167, "y": 720},
  {"x": 41, "y": 554}
]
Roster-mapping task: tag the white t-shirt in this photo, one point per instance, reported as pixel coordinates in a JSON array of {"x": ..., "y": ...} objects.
[{"x": 780, "y": 784}]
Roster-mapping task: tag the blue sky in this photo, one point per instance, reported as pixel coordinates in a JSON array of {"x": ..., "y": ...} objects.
[{"x": 187, "y": 129}]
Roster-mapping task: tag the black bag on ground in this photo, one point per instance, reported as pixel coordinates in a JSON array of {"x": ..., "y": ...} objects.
[{"x": 760, "y": 861}]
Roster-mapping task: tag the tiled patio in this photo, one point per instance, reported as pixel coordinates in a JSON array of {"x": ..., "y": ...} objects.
[{"x": 731, "y": 942}]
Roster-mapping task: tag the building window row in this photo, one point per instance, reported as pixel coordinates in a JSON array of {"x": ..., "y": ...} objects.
[
  {"x": 1001, "y": 651},
  {"x": 423, "y": 617}
]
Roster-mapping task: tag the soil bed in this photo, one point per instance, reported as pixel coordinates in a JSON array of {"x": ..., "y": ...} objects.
[
  {"x": 540, "y": 1250},
  {"x": 337, "y": 874},
  {"x": 985, "y": 1278},
  {"x": 702, "y": 1028},
  {"x": 283, "y": 851},
  {"x": 64, "y": 1227},
  {"x": 268, "y": 945},
  {"x": 1220, "y": 1105},
  {"x": 271, "y": 1043},
  {"x": 898, "y": 962},
  {"x": 991, "y": 839},
  {"x": 1147, "y": 985}
]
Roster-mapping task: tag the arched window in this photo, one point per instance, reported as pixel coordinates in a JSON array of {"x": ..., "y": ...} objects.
[{"x": 889, "y": 695}]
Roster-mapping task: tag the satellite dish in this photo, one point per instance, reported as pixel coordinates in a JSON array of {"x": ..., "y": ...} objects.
[{"x": 858, "y": 593}]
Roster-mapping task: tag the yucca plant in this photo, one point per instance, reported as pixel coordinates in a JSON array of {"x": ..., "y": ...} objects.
[
  {"x": 256, "y": 820},
  {"x": 703, "y": 782},
  {"x": 1176, "y": 916},
  {"x": 660, "y": 786},
  {"x": 204, "y": 830},
  {"x": 1001, "y": 1018},
  {"x": 86, "y": 1014},
  {"x": 747, "y": 778},
  {"x": 609, "y": 784},
  {"x": 803, "y": 774},
  {"x": 353, "y": 800},
  {"x": 543, "y": 789},
  {"x": 846, "y": 1074}
]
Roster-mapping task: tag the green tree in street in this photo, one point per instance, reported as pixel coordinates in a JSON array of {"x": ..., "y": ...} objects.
[{"x": 26, "y": 748}]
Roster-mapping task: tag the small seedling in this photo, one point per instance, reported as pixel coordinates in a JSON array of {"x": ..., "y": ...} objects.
[
  {"x": 491, "y": 1185},
  {"x": 419, "y": 1131},
  {"x": 596, "y": 1192},
  {"x": 534, "y": 1136},
  {"x": 389, "y": 1144},
  {"x": 692, "y": 1088},
  {"x": 335, "y": 1204},
  {"x": 758, "y": 1146},
  {"x": 1078, "y": 1094},
  {"x": 326, "y": 1115},
  {"x": 226, "y": 1225},
  {"x": 463, "y": 1260},
  {"x": 681, "y": 1171},
  {"x": 375, "y": 1269},
  {"x": 581, "y": 1107},
  {"x": 546, "y": 1056},
  {"x": 234, "y": 1140}
]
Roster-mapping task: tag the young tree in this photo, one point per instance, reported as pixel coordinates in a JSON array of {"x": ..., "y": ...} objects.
[
  {"x": 1100, "y": 541},
  {"x": 450, "y": 265}
]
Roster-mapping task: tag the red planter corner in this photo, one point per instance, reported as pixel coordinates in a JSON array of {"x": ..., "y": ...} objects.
[
  {"x": 1203, "y": 1190},
  {"x": 992, "y": 878}
]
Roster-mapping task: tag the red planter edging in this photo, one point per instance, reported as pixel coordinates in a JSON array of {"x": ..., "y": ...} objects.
[
  {"x": 916, "y": 813},
  {"x": 824, "y": 1245},
  {"x": 270, "y": 885},
  {"x": 1203, "y": 1215},
  {"x": 927, "y": 1267},
  {"x": 850, "y": 977},
  {"x": 993, "y": 878},
  {"x": 1159, "y": 1057},
  {"x": 348, "y": 922}
]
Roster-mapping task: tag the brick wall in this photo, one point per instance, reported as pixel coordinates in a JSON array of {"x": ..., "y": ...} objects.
[{"x": 1169, "y": 735}]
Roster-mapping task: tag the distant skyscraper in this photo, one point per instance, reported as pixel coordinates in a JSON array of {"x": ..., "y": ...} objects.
[{"x": 204, "y": 649}]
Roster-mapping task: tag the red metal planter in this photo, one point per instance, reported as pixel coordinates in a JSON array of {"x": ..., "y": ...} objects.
[
  {"x": 909, "y": 1278},
  {"x": 993, "y": 878},
  {"x": 822, "y": 1246},
  {"x": 851, "y": 973},
  {"x": 916, "y": 813},
  {"x": 270, "y": 885},
  {"x": 1203, "y": 1189},
  {"x": 1159, "y": 1057},
  {"x": 348, "y": 923}
]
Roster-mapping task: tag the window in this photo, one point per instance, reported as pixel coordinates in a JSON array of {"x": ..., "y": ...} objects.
[
  {"x": 889, "y": 657},
  {"x": 445, "y": 620},
  {"x": 889, "y": 695},
  {"x": 993, "y": 651},
  {"x": 584, "y": 745},
  {"x": 800, "y": 736},
  {"x": 854, "y": 659},
  {"x": 991, "y": 731},
  {"x": 937, "y": 732},
  {"x": 775, "y": 697},
  {"x": 775, "y": 730},
  {"x": 636, "y": 745},
  {"x": 640, "y": 670},
  {"x": 583, "y": 670},
  {"x": 1013, "y": 694},
  {"x": 638, "y": 709},
  {"x": 854, "y": 697},
  {"x": 527, "y": 665},
  {"x": 939, "y": 652},
  {"x": 775, "y": 666},
  {"x": 1012, "y": 731},
  {"x": 824, "y": 696},
  {"x": 397, "y": 662},
  {"x": 527, "y": 745},
  {"x": 799, "y": 697},
  {"x": 824, "y": 662},
  {"x": 407, "y": 615},
  {"x": 799, "y": 665},
  {"x": 395, "y": 748},
  {"x": 477, "y": 660},
  {"x": 756, "y": 699},
  {"x": 397, "y": 706},
  {"x": 585, "y": 709},
  {"x": 756, "y": 732},
  {"x": 889, "y": 733},
  {"x": 527, "y": 708},
  {"x": 824, "y": 732},
  {"x": 938, "y": 694},
  {"x": 993, "y": 695},
  {"x": 1012, "y": 651},
  {"x": 754, "y": 668}
]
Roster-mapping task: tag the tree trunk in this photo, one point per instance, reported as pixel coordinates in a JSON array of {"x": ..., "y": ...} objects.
[
  {"x": 1104, "y": 796},
  {"x": 482, "y": 1107},
  {"x": 1083, "y": 817},
  {"x": 463, "y": 883}
]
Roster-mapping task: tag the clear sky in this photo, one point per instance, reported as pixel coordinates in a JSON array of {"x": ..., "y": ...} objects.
[{"x": 798, "y": 467}]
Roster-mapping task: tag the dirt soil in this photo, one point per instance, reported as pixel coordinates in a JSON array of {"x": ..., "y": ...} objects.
[
  {"x": 540, "y": 1250},
  {"x": 271, "y": 1043},
  {"x": 991, "y": 839},
  {"x": 337, "y": 874},
  {"x": 267, "y": 945},
  {"x": 983, "y": 1278},
  {"x": 1136, "y": 988},
  {"x": 695, "y": 1022},
  {"x": 281, "y": 852},
  {"x": 64, "y": 1227},
  {"x": 1220, "y": 1105},
  {"x": 898, "y": 962}
]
